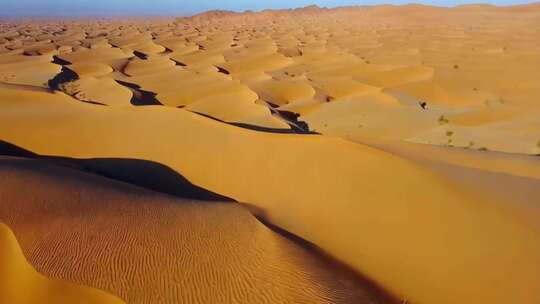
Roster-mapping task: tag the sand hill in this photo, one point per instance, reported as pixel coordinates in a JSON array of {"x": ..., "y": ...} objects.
[{"x": 151, "y": 248}]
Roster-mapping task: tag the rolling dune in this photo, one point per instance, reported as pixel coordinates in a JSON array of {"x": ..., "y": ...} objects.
[{"x": 152, "y": 248}]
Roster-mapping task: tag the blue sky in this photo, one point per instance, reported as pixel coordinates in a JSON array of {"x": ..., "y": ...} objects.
[{"x": 182, "y": 7}]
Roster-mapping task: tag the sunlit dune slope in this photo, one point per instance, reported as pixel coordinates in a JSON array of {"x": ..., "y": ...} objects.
[
  {"x": 152, "y": 248},
  {"x": 28, "y": 70},
  {"x": 495, "y": 162},
  {"x": 20, "y": 283},
  {"x": 419, "y": 234}
]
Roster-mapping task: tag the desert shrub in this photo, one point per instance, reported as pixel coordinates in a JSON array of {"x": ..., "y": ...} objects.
[{"x": 443, "y": 120}]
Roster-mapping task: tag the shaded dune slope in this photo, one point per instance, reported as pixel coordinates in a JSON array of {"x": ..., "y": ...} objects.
[{"x": 143, "y": 173}]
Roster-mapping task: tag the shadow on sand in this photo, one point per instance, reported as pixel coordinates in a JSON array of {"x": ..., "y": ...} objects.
[
  {"x": 143, "y": 173},
  {"x": 292, "y": 130},
  {"x": 65, "y": 75},
  {"x": 140, "y": 96}
]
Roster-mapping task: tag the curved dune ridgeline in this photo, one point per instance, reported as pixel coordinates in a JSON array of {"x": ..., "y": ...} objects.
[
  {"x": 152, "y": 248},
  {"x": 423, "y": 236},
  {"x": 20, "y": 283}
]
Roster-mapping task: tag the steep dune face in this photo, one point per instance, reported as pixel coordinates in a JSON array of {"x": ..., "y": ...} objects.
[
  {"x": 385, "y": 216},
  {"x": 20, "y": 283},
  {"x": 152, "y": 248}
]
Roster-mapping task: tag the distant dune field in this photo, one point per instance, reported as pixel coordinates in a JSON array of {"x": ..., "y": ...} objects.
[{"x": 371, "y": 154}]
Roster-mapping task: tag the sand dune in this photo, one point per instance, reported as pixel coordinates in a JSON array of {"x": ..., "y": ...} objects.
[
  {"x": 114, "y": 57},
  {"x": 156, "y": 64},
  {"x": 152, "y": 248},
  {"x": 101, "y": 91},
  {"x": 34, "y": 70},
  {"x": 353, "y": 173},
  {"x": 90, "y": 69},
  {"x": 422, "y": 175}
]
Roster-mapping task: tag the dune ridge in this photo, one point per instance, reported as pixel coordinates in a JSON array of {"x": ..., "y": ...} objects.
[{"x": 152, "y": 248}]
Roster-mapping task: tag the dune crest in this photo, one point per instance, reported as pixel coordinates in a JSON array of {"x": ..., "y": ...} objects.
[{"x": 154, "y": 248}]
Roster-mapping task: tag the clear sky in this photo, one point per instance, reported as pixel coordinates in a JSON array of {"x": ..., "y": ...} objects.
[{"x": 183, "y": 7}]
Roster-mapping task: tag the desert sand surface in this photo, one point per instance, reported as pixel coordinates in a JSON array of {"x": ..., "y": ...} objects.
[
  {"x": 399, "y": 142},
  {"x": 20, "y": 283}
]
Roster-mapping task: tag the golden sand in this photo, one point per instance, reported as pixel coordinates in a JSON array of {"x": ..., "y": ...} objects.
[
  {"x": 422, "y": 177},
  {"x": 20, "y": 283}
]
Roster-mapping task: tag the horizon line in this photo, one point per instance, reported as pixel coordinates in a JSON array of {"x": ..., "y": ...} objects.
[{"x": 178, "y": 15}]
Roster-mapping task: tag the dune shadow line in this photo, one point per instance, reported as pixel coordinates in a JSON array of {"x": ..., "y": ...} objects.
[
  {"x": 140, "y": 97},
  {"x": 260, "y": 128},
  {"x": 143, "y": 173}
]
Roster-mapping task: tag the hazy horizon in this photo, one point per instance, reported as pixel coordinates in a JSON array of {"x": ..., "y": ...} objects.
[{"x": 52, "y": 8}]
